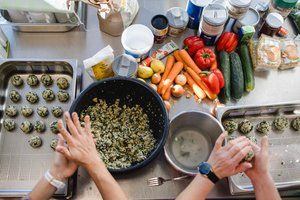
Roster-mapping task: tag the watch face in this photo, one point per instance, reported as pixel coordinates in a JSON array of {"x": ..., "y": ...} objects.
[{"x": 204, "y": 168}]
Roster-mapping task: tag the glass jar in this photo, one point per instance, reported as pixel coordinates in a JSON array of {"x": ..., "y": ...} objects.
[
  {"x": 238, "y": 8},
  {"x": 272, "y": 24},
  {"x": 283, "y": 7}
]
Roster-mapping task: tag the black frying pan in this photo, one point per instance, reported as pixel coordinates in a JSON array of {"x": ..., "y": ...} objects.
[{"x": 130, "y": 92}]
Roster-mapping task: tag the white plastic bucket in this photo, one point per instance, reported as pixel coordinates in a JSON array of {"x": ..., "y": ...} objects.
[{"x": 137, "y": 40}]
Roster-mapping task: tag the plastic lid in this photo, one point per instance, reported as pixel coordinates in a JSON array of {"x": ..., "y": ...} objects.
[
  {"x": 177, "y": 17},
  {"x": 215, "y": 14},
  {"x": 251, "y": 18},
  {"x": 201, "y": 3},
  {"x": 285, "y": 3},
  {"x": 240, "y": 3},
  {"x": 124, "y": 65},
  {"x": 274, "y": 20}
]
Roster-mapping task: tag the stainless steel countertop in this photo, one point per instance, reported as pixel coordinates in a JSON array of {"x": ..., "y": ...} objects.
[{"x": 271, "y": 87}]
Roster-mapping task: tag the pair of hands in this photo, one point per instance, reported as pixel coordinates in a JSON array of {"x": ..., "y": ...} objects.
[
  {"x": 74, "y": 148},
  {"x": 226, "y": 160}
]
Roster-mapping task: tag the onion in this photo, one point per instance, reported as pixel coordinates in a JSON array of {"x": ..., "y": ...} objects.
[
  {"x": 168, "y": 105},
  {"x": 156, "y": 78},
  {"x": 180, "y": 80},
  {"x": 177, "y": 91},
  {"x": 153, "y": 86}
]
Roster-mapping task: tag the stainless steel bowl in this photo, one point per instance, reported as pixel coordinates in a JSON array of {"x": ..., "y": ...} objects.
[{"x": 203, "y": 127}]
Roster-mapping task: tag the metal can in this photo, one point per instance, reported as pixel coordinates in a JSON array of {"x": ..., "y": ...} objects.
[
  {"x": 160, "y": 25},
  {"x": 178, "y": 20},
  {"x": 125, "y": 65},
  {"x": 238, "y": 8},
  {"x": 194, "y": 8},
  {"x": 213, "y": 22},
  {"x": 251, "y": 18}
]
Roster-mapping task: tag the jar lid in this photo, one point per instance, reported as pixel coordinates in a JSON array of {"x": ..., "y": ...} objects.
[
  {"x": 274, "y": 20},
  {"x": 124, "y": 65},
  {"x": 177, "y": 17},
  {"x": 251, "y": 18},
  {"x": 201, "y": 3},
  {"x": 285, "y": 3},
  {"x": 215, "y": 14},
  {"x": 240, "y": 3}
]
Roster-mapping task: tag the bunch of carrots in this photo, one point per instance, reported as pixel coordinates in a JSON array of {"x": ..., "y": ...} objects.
[{"x": 181, "y": 62}]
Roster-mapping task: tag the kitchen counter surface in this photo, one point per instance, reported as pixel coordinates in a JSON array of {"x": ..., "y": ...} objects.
[{"x": 271, "y": 87}]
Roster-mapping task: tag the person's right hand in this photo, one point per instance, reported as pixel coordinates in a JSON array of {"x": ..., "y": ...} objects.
[
  {"x": 80, "y": 143},
  {"x": 226, "y": 160},
  {"x": 260, "y": 167}
]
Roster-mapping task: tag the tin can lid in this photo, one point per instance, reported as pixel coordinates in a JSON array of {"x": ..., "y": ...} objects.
[
  {"x": 215, "y": 14},
  {"x": 177, "y": 17},
  {"x": 201, "y": 3},
  {"x": 124, "y": 65},
  {"x": 274, "y": 20},
  {"x": 240, "y": 3},
  {"x": 251, "y": 18},
  {"x": 285, "y": 3}
]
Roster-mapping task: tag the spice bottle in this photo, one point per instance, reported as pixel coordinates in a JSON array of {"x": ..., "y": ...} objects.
[
  {"x": 272, "y": 24},
  {"x": 283, "y": 7}
]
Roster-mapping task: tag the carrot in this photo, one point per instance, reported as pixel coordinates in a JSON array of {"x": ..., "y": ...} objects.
[
  {"x": 172, "y": 75},
  {"x": 189, "y": 61},
  {"x": 178, "y": 58},
  {"x": 202, "y": 85},
  {"x": 166, "y": 96},
  {"x": 169, "y": 64},
  {"x": 214, "y": 65},
  {"x": 195, "y": 88}
]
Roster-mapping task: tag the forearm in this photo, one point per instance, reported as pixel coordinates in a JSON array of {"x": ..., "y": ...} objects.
[
  {"x": 197, "y": 190},
  {"x": 42, "y": 191},
  {"x": 264, "y": 188},
  {"x": 106, "y": 184}
]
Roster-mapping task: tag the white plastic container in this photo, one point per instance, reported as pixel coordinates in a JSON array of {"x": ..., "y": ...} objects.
[{"x": 137, "y": 40}]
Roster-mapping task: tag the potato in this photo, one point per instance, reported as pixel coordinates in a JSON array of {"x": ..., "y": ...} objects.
[{"x": 144, "y": 72}]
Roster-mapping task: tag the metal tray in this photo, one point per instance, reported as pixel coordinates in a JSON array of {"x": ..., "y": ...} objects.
[
  {"x": 21, "y": 166},
  {"x": 81, "y": 12},
  {"x": 284, "y": 148}
]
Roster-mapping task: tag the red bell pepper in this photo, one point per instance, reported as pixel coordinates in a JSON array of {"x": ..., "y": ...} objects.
[
  {"x": 228, "y": 42},
  {"x": 204, "y": 58},
  {"x": 220, "y": 76},
  {"x": 193, "y": 44}
]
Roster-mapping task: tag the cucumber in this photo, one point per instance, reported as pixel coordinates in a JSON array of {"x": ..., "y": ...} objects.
[
  {"x": 237, "y": 76},
  {"x": 224, "y": 66},
  {"x": 247, "y": 68}
]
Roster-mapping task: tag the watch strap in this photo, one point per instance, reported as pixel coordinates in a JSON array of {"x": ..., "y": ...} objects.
[
  {"x": 56, "y": 183},
  {"x": 213, "y": 177}
]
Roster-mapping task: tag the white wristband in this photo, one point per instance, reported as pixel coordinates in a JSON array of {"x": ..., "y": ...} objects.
[{"x": 56, "y": 183}]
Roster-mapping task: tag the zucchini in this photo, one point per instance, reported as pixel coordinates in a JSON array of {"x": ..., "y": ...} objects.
[
  {"x": 224, "y": 66},
  {"x": 247, "y": 68},
  {"x": 237, "y": 76}
]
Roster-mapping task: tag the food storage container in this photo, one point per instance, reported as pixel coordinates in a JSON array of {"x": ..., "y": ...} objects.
[
  {"x": 238, "y": 8},
  {"x": 137, "y": 40},
  {"x": 283, "y": 7},
  {"x": 194, "y": 9},
  {"x": 213, "y": 22},
  {"x": 125, "y": 65},
  {"x": 251, "y": 18},
  {"x": 178, "y": 20},
  {"x": 272, "y": 24}
]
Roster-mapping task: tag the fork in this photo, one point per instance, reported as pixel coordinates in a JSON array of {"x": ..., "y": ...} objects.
[{"x": 157, "y": 181}]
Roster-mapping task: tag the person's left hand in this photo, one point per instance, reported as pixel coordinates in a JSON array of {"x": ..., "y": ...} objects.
[
  {"x": 226, "y": 160},
  {"x": 62, "y": 168}
]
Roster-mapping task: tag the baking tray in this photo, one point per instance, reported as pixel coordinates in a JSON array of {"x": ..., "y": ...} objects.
[
  {"x": 81, "y": 13},
  {"x": 21, "y": 166},
  {"x": 284, "y": 147}
]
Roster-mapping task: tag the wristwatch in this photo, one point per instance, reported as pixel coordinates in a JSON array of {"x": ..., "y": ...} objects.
[{"x": 205, "y": 169}]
